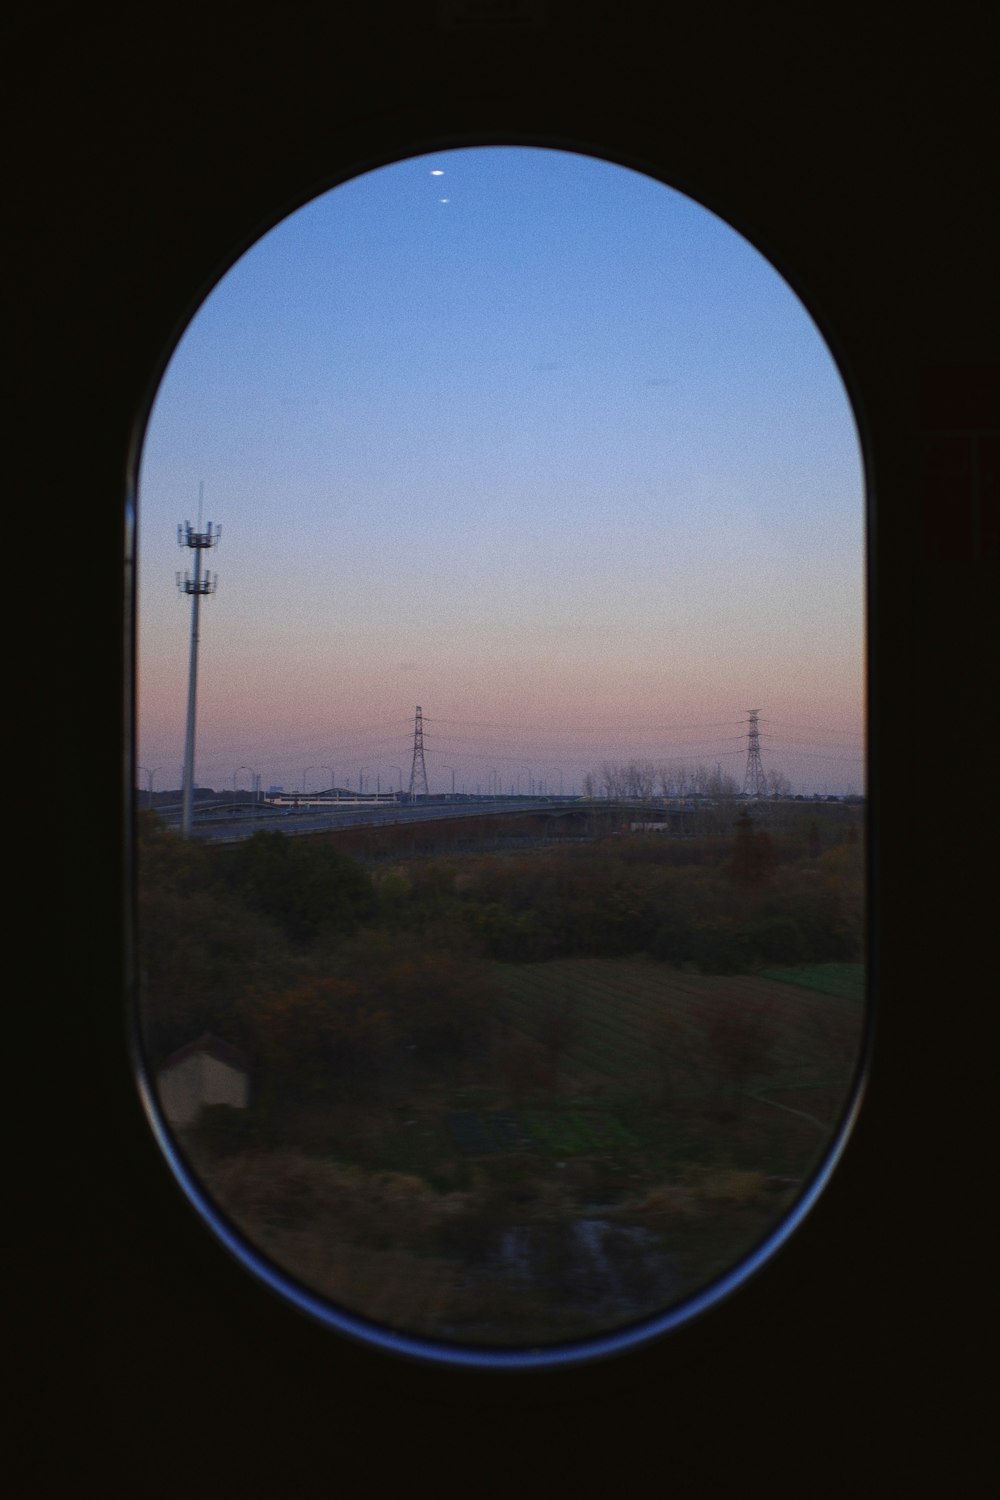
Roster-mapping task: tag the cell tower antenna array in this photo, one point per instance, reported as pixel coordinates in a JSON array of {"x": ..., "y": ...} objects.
[
  {"x": 754, "y": 784},
  {"x": 418, "y": 774},
  {"x": 197, "y": 587}
]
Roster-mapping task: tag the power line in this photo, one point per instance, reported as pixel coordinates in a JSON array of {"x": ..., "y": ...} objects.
[
  {"x": 785, "y": 739},
  {"x": 532, "y": 747},
  {"x": 528, "y": 752},
  {"x": 306, "y": 743},
  {"x": 811, "y": 729},
  {"x": 851, "y": 760},
  {"x": 617, "y": 727}
]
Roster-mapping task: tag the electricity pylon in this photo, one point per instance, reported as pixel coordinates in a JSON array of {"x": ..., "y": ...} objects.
[
  {"x": 418, "y": 773},
  {"x": 754, "y": 784}
]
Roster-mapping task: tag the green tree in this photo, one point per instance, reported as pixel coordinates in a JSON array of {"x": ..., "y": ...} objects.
[
  {"x": 307, "y": 887},
  {"x": 200, "y": 952},
  {"x": 719, "y": 946},
  {"x": 200, "y": 949},
  {"x": 772, "y": 940}
]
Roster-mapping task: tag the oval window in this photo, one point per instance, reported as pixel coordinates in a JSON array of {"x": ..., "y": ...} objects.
[{"x": 521, "y": 1024}]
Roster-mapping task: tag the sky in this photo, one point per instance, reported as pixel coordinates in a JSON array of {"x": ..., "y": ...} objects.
[{"x": 525, "y": 438}]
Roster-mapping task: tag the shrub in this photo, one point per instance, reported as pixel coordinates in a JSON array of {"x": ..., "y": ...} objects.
[
  {"x": 431, "y": 986},
  {"x": 754, "y": 855},
  {"x": 776, "y": 940},
  {"x": 223, "y": 1130},
  {"x": 305, "y": 887},
  {"x": 741, "y": 1036},
  {"x": 720, "y": 947},
  {"x": 320, "y": 1033}
]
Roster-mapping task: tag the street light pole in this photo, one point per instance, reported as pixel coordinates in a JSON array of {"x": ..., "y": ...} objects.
[
  {"x": 149, "y": 779},
  {"x": 253, "y": 788}
]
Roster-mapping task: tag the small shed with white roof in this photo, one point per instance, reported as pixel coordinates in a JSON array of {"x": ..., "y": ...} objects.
[{"x": 206, "y": 1071}]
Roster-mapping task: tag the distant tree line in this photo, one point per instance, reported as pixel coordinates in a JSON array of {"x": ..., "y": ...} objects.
[
  {"x": 645, "y": 779},
  {"x": 328, "y": 972}
]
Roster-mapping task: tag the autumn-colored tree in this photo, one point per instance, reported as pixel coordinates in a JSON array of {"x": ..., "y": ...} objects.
[
  {"x": 741, "y": 1035},
  {"x": 519, "y": 1063},
  {"x": 843, "y": 880},
  {"x": 754, "y": 857},
  {"x": 558, "y": 1028},
  {"x": 432, "y": 986},
  {"x": 319, "y": 1035},
  {"x": 678, "y": 1054}
]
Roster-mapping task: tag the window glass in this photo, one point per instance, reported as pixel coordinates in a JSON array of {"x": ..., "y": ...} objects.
[{"x": 501, "y": 885}]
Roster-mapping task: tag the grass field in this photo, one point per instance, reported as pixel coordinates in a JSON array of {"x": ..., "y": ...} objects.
[
  {"x": 634, "y": 1131},
  {"x": 455, "y": 1130},
  {"x": 846, "y": 981},
  {"x": 624, "y": 1015}
]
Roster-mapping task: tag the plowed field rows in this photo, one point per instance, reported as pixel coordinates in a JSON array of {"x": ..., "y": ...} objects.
[{"x": 622, "y": 1013}]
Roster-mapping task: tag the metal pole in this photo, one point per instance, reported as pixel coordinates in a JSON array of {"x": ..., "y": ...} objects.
[
  {"x": 149, "y": 782},
  {"x": 198, "y": 542},
  {"x": 187, "y": 806}
]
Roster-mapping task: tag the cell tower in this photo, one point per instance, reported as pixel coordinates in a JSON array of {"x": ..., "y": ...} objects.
[
  {"x": 418, "y": 775},
  {"x": 197, "y": 588},
  {"x": 754, "y": 784}
]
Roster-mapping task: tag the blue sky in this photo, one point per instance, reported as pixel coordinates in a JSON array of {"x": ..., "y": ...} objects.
[{"x": 536, "y": 442}]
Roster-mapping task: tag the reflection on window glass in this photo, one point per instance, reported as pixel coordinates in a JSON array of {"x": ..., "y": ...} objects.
[{"x": 501, "y": 972}]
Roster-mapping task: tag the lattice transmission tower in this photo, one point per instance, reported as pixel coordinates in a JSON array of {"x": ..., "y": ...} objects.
[
  {"x": 754, "y": 784},
  {"x": 418, "y": 774},
  {"x": 196, "y": 588}
]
